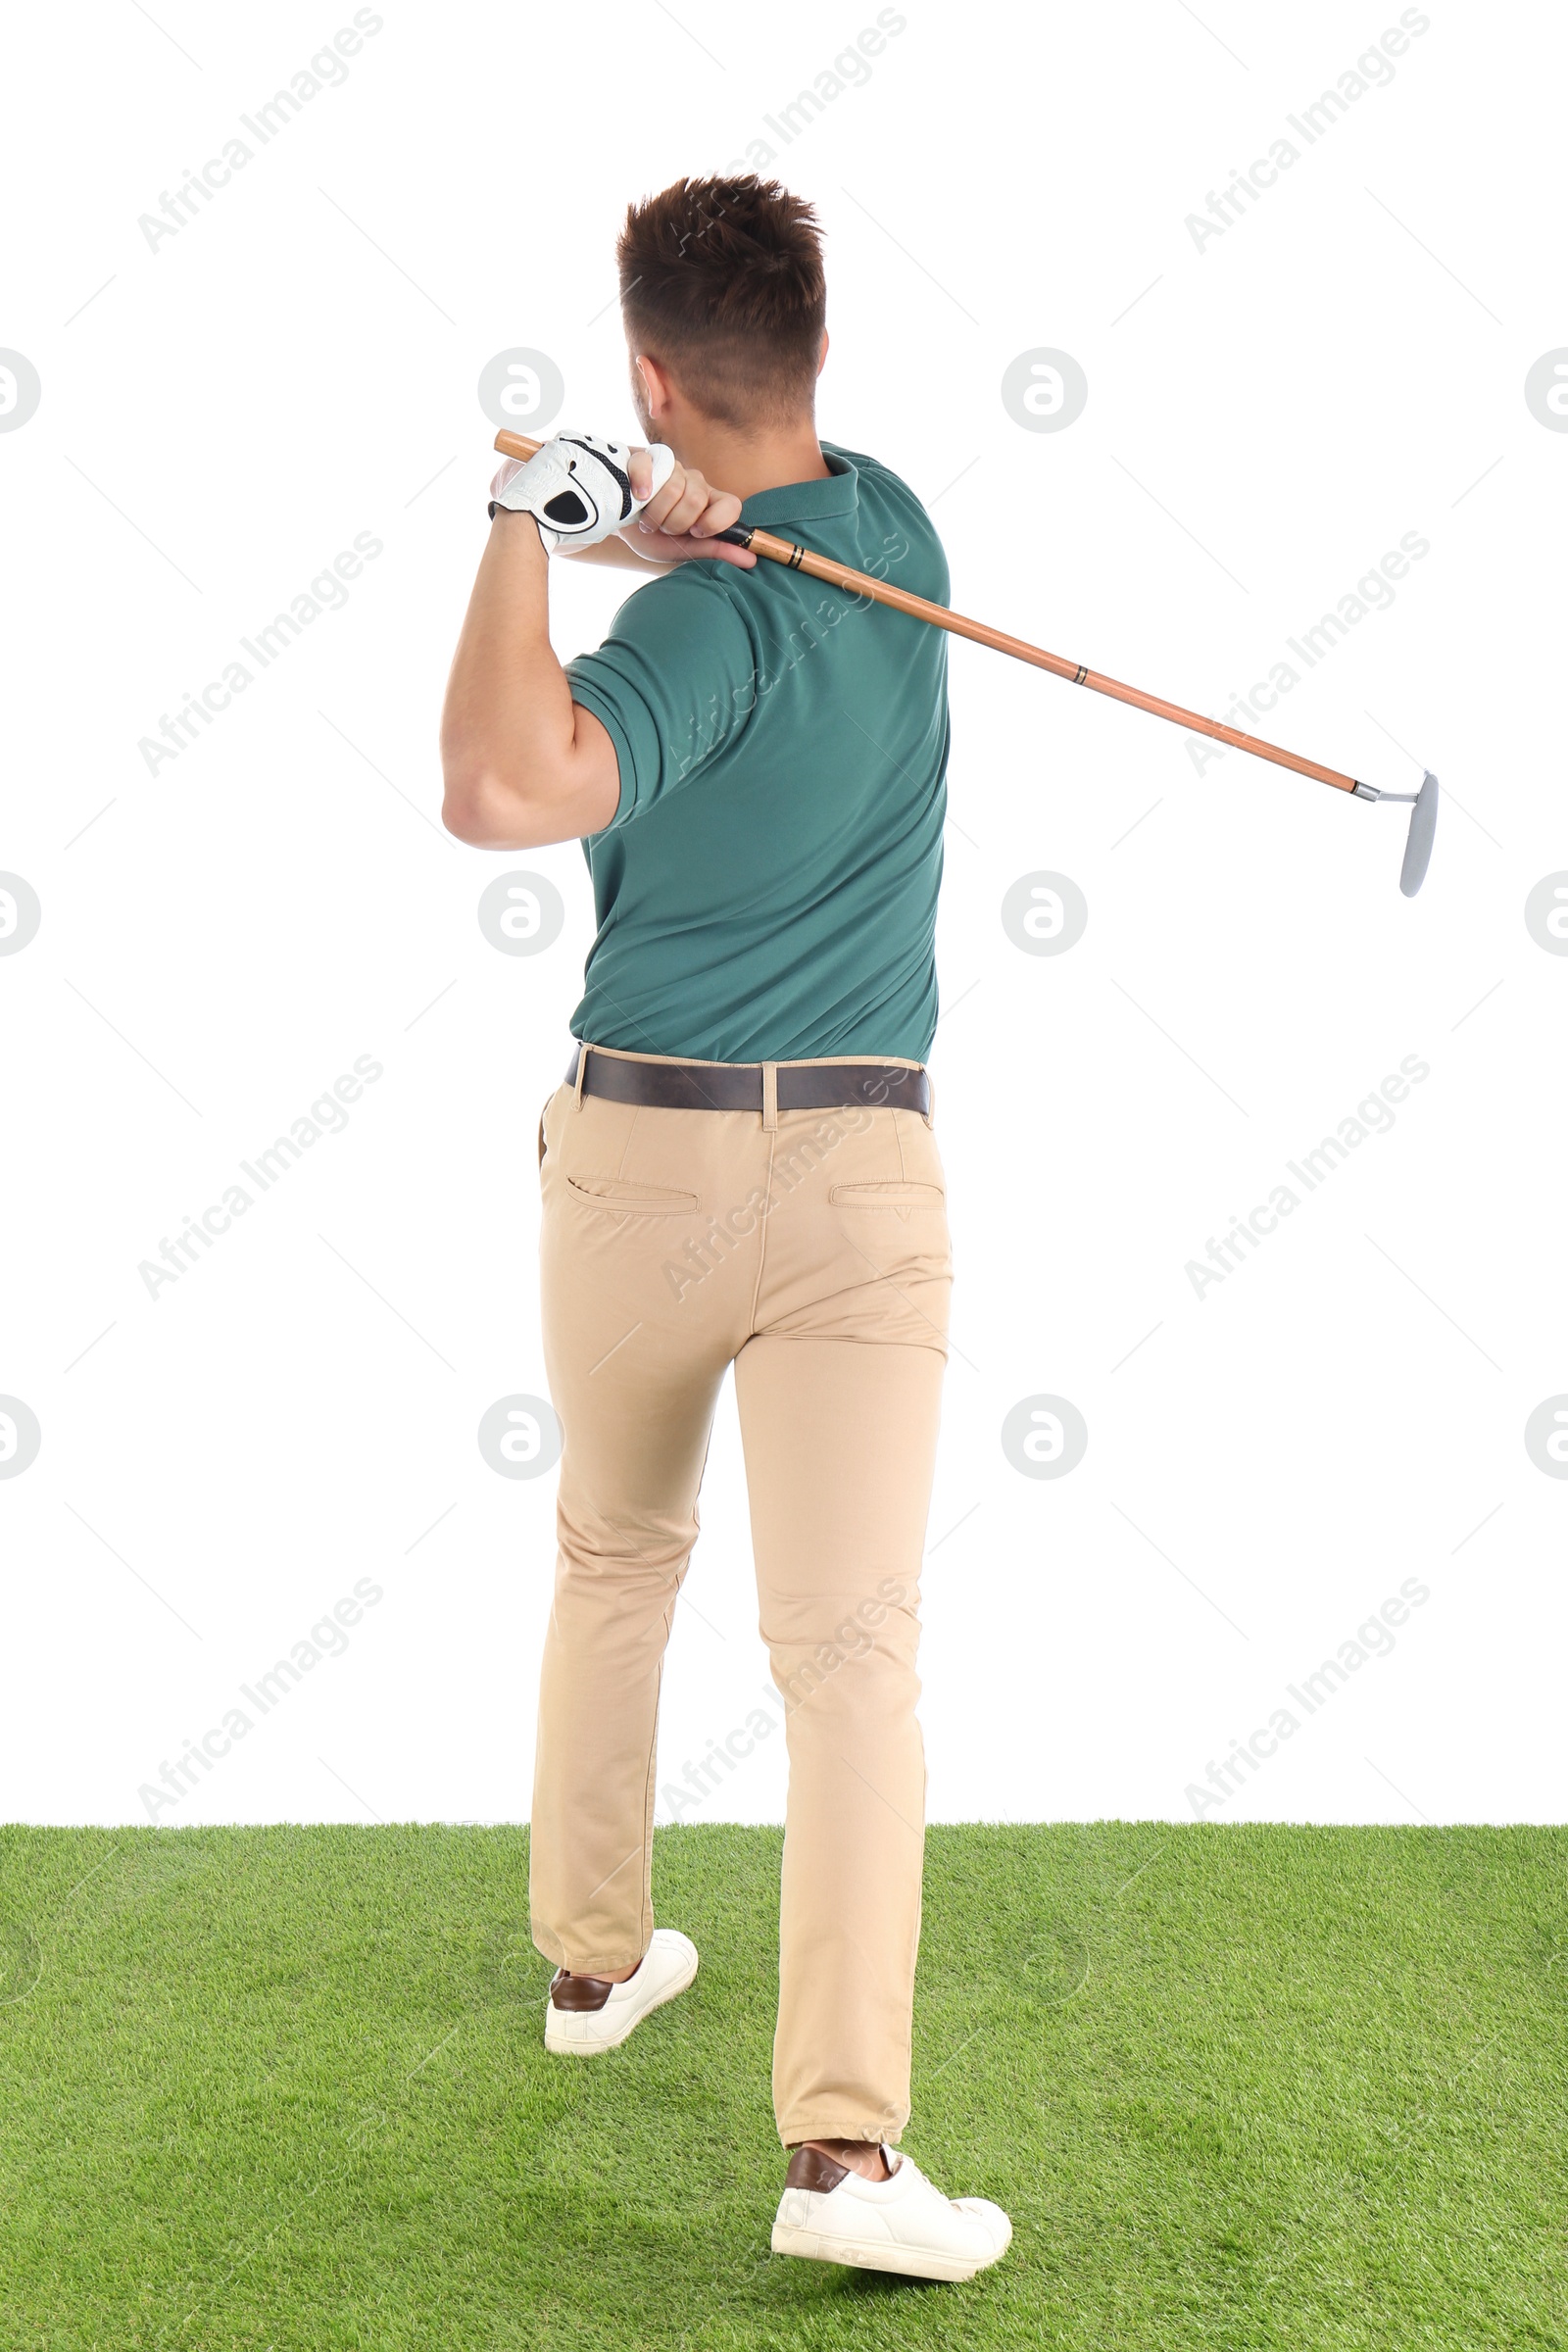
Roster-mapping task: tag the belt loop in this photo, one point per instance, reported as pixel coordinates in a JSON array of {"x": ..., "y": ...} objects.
[
  {"x": 583, "y": 1071},
  {"x": 769, "y": 1097},
  {"x": 930, "y": 1099}
]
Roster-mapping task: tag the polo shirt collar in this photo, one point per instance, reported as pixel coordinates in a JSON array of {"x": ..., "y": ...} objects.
[{"x": 807, "y": 502}]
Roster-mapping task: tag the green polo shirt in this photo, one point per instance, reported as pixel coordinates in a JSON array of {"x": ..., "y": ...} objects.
[{"x": 767, "y": 888}]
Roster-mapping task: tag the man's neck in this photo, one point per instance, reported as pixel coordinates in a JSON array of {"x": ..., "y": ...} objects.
[{"x": 747, "y": 462}]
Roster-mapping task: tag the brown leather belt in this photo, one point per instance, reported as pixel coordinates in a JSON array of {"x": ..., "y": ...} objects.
[{"x": 738, "y": 1085}]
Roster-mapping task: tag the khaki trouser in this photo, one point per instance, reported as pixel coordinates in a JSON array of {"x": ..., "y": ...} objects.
[{"x": 809, "y": 1250}]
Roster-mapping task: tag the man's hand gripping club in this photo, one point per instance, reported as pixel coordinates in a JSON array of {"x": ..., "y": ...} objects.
[{"x": 586, "y": 494}]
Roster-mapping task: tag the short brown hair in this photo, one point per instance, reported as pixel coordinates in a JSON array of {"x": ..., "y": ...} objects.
[{"x": 721, "y": 282}]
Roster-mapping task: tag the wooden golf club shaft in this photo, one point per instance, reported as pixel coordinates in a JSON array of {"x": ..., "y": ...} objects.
[{"x": 860, "y": 583}]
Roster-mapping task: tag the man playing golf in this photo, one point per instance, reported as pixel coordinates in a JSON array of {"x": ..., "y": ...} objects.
[{"x": 740, "y": 1168}]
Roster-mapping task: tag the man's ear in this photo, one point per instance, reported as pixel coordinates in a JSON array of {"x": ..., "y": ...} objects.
[
  {"x": 821, "y": 361},
  {"x": 655, "y": 385}
]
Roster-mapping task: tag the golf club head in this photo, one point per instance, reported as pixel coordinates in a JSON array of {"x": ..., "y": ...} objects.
[{"x": 1418, "y": 841}]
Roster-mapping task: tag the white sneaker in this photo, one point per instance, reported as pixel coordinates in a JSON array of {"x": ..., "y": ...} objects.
[
  {"x": 899, "y": 2225},
  {"x": 668, "y": 1967}
]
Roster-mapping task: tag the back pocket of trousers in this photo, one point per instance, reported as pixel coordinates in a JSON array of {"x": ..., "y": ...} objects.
[
  {"x": 887, "y": 1196},
  {"x": 622, "y": 1198}
]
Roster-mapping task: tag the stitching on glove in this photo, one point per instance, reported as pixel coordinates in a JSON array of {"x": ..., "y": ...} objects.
[{"x": 609, "y": 466}]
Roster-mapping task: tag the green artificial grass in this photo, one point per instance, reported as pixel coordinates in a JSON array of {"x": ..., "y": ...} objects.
[{"x": 1237, "y": 2086}]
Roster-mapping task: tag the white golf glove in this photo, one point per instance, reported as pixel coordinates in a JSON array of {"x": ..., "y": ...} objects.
[{"x": 578, "y": 488}]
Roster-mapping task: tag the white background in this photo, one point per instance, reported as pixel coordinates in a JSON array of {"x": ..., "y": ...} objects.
[{"x": 1266, "y": 416}]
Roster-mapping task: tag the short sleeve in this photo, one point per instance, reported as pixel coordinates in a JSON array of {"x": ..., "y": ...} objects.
[{"x": 674, "y": 683}]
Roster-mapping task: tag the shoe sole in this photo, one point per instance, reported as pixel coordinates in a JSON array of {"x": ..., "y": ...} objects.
[
  {"x": 596, "y": 2049},
  {"x": 910, "y": 2262}
]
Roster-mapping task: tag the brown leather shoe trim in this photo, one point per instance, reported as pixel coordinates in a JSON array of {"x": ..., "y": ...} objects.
[
  {"x": 568, "y": 1992},
  {"x": 814, "y": 2168}
]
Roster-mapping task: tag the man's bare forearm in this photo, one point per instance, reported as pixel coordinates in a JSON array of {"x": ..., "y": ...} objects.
[
  {"x": 523, "y": 763},
  {"x": 617, "y": 554},
  {"x": 516, "y": 773}
]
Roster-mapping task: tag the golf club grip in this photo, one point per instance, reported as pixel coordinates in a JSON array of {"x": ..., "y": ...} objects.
[{"x": 860, "y": 583}]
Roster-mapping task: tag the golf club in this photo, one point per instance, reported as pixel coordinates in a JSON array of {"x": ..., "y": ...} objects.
[{"x": 1423, "y": 805}]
